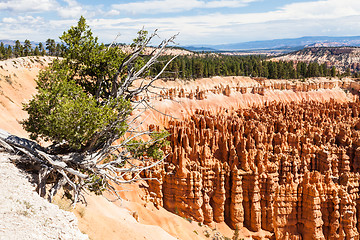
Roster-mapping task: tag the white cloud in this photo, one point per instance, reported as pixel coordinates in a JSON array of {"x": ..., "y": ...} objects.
[
  {"x": 324, "y": 17},
  {"x": 9, "y": 20},
  {"x": 113, "y": 12},
  {"x": 227, "y": 4},
  {"x": 21, "y": 20},
  {"x": 28, "y": 5},
  {"x": 22, "y": 27},
  {"x": 170, "y": 6},
  {"x": 64, "y": 8},
  {"x": 72, "y": 10},
  {"x": 296, "y": 19},
  {"x": 316, "y": 10},
  {"x": 325, "y": 9}
]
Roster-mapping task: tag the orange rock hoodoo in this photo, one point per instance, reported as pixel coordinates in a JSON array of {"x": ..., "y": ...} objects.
[
  {"x": 291, "y": 169},
  {"x": 263, "y": 86}
]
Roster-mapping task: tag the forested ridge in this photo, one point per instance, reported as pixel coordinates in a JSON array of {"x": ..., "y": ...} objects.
[{"x": 192, "y": 67}]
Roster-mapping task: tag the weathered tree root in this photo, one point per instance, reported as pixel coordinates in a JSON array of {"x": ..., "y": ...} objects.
[{"x": 78, "y": 172}]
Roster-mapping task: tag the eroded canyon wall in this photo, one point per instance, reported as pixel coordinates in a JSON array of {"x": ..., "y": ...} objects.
[{"x": 288, "y": 168}]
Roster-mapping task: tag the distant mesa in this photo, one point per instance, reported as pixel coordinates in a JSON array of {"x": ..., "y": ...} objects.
[
  {"x": 282, "y": 45},
  {"x": 340, "y": 57}
]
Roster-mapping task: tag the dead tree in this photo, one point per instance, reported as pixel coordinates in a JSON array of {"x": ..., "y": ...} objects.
[{"x": 97, "y": 168}]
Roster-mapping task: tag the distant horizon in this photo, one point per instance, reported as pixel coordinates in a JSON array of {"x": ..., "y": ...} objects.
[
  {"x": 276, "y": 39},
  {"x": 212, "y": 22},
  {"x": 205, "y": 44}
]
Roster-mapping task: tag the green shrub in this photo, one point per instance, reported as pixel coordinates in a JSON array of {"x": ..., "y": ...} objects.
[
  {"x": 62, "y": 112},
  {"x": 72, "y": 108}
]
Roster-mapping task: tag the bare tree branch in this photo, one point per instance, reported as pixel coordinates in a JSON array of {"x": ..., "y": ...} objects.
[{"x": 100, "y": 167}]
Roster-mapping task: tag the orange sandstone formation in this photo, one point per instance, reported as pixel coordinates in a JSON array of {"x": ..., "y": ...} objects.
[
  {"x": 253, "y": 86},
  {"x": 288, "y": 168}
]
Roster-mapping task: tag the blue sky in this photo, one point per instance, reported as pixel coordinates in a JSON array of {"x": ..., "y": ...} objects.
[{"x": 197, "y": 21}]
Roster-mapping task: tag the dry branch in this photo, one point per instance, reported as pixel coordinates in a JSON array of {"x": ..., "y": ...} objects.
[{"x": 95, "y": 169}]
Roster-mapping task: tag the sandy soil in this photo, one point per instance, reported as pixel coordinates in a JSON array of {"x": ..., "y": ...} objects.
[
  {"x": 25, "y": 215},
  {"x": 17, "y": 85},
  {"x": 102, "y": 219}
]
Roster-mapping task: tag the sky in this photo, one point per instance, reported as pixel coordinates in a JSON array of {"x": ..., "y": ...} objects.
[{"x": 198, "y": 22}]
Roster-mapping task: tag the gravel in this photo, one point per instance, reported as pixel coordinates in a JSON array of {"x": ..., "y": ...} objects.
[{"x": 25, "y": 215}]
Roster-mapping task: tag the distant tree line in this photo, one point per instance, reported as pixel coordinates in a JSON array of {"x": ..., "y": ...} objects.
[
  {"x": 191, "y": 67},
  {"x": 50, "y": 48},
  {"x": 199, "y": 66}
]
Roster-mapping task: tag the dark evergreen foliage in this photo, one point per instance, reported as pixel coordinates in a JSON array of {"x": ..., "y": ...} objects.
[
  {"x": 27, "y": 49},
  {"x": 192, "y": 67}
]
